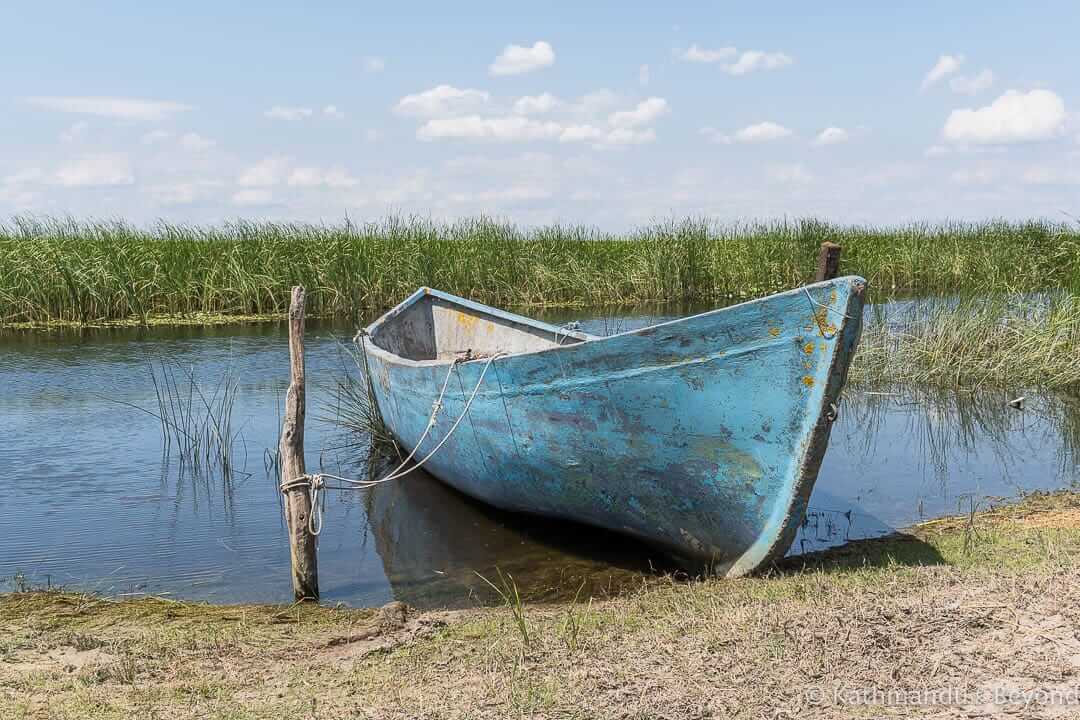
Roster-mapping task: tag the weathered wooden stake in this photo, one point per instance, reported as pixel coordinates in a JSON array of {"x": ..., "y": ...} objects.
[
  {"x": 305, "y": 569},
  {"x": 828, "y": 261}
]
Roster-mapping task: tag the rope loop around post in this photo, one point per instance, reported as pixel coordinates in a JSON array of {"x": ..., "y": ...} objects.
[{"x": 316, "y": 483}]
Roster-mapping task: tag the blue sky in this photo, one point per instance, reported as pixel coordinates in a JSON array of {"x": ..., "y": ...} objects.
[{"x": 609, "y": 114}]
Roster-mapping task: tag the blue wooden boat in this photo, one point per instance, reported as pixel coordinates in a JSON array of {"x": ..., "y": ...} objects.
[{"x": 702, "y": 435}]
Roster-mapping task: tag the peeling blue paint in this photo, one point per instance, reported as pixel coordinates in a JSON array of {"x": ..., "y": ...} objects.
[{"x": 703, "y": 435}]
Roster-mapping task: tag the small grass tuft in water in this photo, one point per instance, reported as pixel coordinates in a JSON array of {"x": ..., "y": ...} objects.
[
  {"x": 196, "y": 422},
  {"x": 356, "y": 411}
]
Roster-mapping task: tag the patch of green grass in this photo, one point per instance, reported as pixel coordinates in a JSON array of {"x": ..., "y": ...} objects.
[
  {"x": 67, "y": 271},
  {"x": 1005, "y": 340}
]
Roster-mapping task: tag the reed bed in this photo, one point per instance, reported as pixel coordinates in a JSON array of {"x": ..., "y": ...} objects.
[
  {"x": 54, "y": 270},
  {"x": 1008, "y": 341}
]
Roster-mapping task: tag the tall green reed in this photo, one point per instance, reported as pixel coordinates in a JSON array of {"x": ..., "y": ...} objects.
[
  {"x": 1003, "y": 340},
  {"x": 84, "y": 272}
]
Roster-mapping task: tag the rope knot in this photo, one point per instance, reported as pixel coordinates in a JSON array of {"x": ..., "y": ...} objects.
[{"x": 316, "y": 483}]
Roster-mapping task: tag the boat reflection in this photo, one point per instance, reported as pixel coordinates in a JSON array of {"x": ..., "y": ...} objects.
[
  {"x": 898, "y": 456},
  {"x": 435, "y": 543}
]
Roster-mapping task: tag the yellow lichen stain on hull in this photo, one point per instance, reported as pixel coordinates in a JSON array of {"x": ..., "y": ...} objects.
[{"x": 465, "y": 320}]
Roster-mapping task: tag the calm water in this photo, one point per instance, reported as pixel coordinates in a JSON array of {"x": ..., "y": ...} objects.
[{"x": 89, "y": 500}]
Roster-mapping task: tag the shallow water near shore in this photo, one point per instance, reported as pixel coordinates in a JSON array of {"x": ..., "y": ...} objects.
[{"x": 92, "y": 503}]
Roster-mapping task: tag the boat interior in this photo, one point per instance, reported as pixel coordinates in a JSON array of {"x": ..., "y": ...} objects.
[{"x": 436, "y": 328}]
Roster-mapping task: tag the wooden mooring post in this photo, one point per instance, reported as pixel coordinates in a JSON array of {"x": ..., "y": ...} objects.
[
  {"x": 828, "y": 261},
  {"x": 298, "y": 509}
]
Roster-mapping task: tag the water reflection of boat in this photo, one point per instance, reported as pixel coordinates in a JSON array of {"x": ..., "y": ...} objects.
[
  {"x": 434, "y": 541},
  {"x": 702, "y": 435}
]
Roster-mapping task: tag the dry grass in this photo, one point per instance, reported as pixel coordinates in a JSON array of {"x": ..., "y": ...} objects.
[{"x": 965, "y": 604}]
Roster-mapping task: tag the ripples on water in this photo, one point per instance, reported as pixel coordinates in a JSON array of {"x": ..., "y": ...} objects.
[{"x": 91, "y": 504}]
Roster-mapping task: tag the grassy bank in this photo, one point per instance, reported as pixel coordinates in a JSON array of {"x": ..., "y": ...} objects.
[
  {"x": 69, "y": 271},
  {"x": 969, "y": 604}
]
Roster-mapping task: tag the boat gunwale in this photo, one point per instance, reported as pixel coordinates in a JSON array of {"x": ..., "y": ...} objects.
[
  {"x": 789, "y": 504},
  {"x": 586, "y": 339}
]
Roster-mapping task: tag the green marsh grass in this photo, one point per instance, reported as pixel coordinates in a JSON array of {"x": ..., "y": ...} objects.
[
  {"x": 1009, "y": 341},
  {"x": 54, "y": 270}
]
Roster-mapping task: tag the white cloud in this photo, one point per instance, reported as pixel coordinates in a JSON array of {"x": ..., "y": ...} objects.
[
  {"x": 601, "y": 138},
  {"x": 190, "y": 141},
  {"x": 374, "y": 65},
  {"x": 180, "y": 193},
  {"x": 743, "y": 63},
  {"x": 893, "y": 174},
  {"x": 155, "y": 136},
  {"x": 474, "y": 127},
  {"x": 582, "y": 122},
  {"x": 751, "y": 60},
  {"x": 111, "y": 107},
  {"x": 971, "y": 85},
  {"x": 402, "y": 189},
  {"x": 627, "y": 136},
  {"x": 643, "y": 75},
  {"x": 284, "y": 112},
  {"x": 18, "y": 198},
  {"x": 195, "y": 142},
  {"x": 979, "y": 176},
  {"x": 250, "y": 198},
  {"x": 1015, "y": 117},
  {"x": 316, "y": 177},
  {"x": 580, "y": 133},
  {"x": 597, "y": 101},
  {"x": 703, "y": 55},
  {"x": 536, "y": 104},
  {"x": 25, "y": 177},
  {"x": 517, "y": 59},
  {"x": 96, "y": 170},
  {"x": 512, "y": 194},
  {"x": 761, "y": 132},
  {"x": 945, "y": 65},
  {"x": 441, "y": 101},
  {"x": 831, "y": 136},
  {"x": 1041, "y": 175},
  {"x": 75, "y": 132},
  {"x": 332, "y": 111},
  {"x": 646, "y": 112},
  {"x": 791, "y": 174},
  {"x": 267, "y": 172},
  {"x": 305, "y": 177}
]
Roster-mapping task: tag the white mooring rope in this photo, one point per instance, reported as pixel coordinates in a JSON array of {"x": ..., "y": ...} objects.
[
  {"x": 316, "y": 482},
  {"x": 828, "y": 308}
]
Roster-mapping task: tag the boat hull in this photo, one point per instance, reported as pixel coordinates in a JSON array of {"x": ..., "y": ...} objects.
[{"x": 703, "y": 435}]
